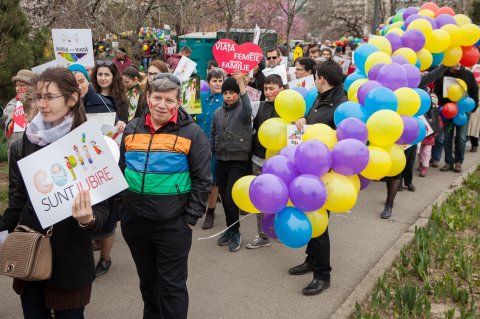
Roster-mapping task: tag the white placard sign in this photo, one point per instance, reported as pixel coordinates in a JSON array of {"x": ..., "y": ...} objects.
[
  {"x": 107, "y": 118},
  {"x": 81, "y": 160},
  {"x": 343, "y": 62},
  {"x": 184, "y": 69},
  {"x": 253, "y": 94},
  {"x": 294, "y": 136},
  {"x": 307, "y": 82},
  {"x": 448, "y": 81},
  {"x": 42, "y": 67},
  {"x": 73, "y": 46},
  {"x": 279, "y": 70}
]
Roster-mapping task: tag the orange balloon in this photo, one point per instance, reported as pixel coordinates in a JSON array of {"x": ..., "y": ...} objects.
[{"x": 430, "y": 6}]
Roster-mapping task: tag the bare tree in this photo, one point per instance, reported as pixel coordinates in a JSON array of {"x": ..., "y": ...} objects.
[{"x": 291, "y": 8}]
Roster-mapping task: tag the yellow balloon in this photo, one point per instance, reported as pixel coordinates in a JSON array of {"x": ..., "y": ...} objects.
[
  {"x": 426, "y": 13},
  {"x": 438, "y": 42},
  {"x": 382, "y": 44},
  {"x": 240, "y": 194},
  {"x": 397, "y": 25},
  {"x": 407, "y": 53},
  {"x": 397, "y": 155},
  {"x": 322, "y": 133},
  {"x": 145, "y": 47},
  {"x": 290, "y": 204},
  {"x": 272, "y": 133},
  {"x": 469, "y": 34},
  {"x": 356, "y": 181},
  {"x": 352, "y": 90},
  {"x": 270, "y": 153},
  {"x": 379, "y": 163},
  {"x": 463, "y": 84},
  {"x": 425, "y": 58},
  {"x": 319, "y": 221},
  {"x": 377, "y": 57},
  {"x": 462, "y": 19},
  {"x": 422, "y": 25},
  {"x": 398, "y": 31},
  {"x": 354, "y": 98},
  {"x": 384, "y": 127},
  {"x": 408, "y": 101},
  {"x": 452, "y": 56},
  {"x": 341, "y": 192},
  {"x": 454, "y": 33},
  {"x": 290, "y": 105},
  {"x": 455, "y": 92}
]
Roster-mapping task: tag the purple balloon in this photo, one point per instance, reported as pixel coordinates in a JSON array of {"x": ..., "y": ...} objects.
[
  {"x": 411, "y": 130},
  {"x": 413, "y": 75},
  {"x": 399, "y": 59},
  {"x": 280, "y": 166},
  {"x": 393, "y": 76},
  {"x": 413, "y": 39},
  {"x": 373, "y": 72},
  {"x": 432, "y": 22},
  {"x": 303, "y": 91},
  {"x": 395, "y": 41},
  {"x": 365, "y": 88},
  {"x": 349, "y": 157},
  {"x": 307, "y": 192},
  {"x": 313, "y": 157},
  {"x": 204, "y": 86},
  {"x": 409, "y": 11},
  {"x": 364, "y": 182},
  {"x": 352, "y": 128},
  {"x": 268, "y": 227},
  {"x": 412, "y": 17},
  {"x": 289, "y": 152},
  {"x": 268, "y": 193},
  {"x": 444, "y": 19}
]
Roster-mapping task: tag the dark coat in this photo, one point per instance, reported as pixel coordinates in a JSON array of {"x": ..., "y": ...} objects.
[
  {"x": 325, "y": 105},
  {"x": 465, "y": 75}
]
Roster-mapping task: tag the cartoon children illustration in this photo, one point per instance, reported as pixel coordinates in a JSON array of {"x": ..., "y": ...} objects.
[
  {"x": 96, "y": 148},
  {"x": 87, "y": 153},
  {"x": 79, "y": 157},
  {"x": 70, "y": 167}
]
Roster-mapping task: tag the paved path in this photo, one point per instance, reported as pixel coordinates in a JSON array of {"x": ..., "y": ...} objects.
[{"x": 255, "y": 283}]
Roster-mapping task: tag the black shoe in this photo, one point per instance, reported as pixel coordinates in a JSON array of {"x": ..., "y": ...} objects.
[
  {"x": 411, "y": 188},
  {"x": 473, "y": 149},
  {"x": 300, "y": 269},
  {"x": 387, "y": 212},
  {"x": 209, "y": 218},
  {"x": 102, "y": 267},
  {"x": 224, "y": 239},
  {"x": 316, "y": 286}
]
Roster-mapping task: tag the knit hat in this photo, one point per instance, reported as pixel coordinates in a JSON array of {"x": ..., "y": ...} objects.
[
  {"x": 121, "y": 50},
  {"x": 230, "y": 84},
  {"x": 79, "y": 68},
  {"x": 24, "y": 76}
]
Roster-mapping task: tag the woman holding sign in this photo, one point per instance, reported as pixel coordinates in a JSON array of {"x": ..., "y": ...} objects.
[{"x": 69, "y": 288}]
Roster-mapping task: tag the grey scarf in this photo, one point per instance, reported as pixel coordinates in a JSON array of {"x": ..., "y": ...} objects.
[{"x": 42, "y": 133}]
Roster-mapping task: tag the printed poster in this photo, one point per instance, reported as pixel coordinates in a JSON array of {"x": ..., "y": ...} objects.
[
  {"x": 190, "y": 95},
  {"x": 231, "y": 56},
  {"x": 279, "y": 70},
  {"x": 448, "y": 81},
  {"x": 253, "y": 94},
  {"x": 184, "y": 69},
  {"x": 291, "y": 73},
  {"x": 19, "y": 122},
  {"x": 81, "y": 160},
  {"x": 112, "y": 132},
  {"x": 307, "y": 82},
  {"x": 343, "y": 62},
  {"x": 476, "y": 72},
  {"x": 42, "y": 67},
  {"x": 294, "y": 136},
  {"x": 73, "y": 46},
  {"x": 103, "y": 118}
]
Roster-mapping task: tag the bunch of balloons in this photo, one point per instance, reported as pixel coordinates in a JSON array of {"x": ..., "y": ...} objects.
[
  {"x": 460, "y": 105},
  {"x": 126, "y": 34},
  {"x": 148, "y": 33},
  {"x": 299, "y": 184},
  {"x": 344, "y": 40}
]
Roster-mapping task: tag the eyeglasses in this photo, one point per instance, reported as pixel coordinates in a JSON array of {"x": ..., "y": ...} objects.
[
  {"x": 46, "y": 98},
  {"x": 169, "y": 76},
  {"x": 271, "y": 57},
  {"x": 152, "y": 74},
  {"x": 102, "y": 62}
]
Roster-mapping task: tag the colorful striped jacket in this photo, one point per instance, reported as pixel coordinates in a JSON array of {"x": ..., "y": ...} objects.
[{"x": 168, "y": 172}]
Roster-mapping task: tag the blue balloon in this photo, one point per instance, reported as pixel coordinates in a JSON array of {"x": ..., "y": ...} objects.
[
  {"x": 293, "y": 228},
  {"x": 425, "y": 102},
  {"x": 466, "y": 104},
  {"x": 303, "y": 91},
  {"x": 380, "y": 98},
  {"x": 437, "y": 58},
  {"x": 349, "y": 109},
  {"x": 417, "y": 64},
  {"x": 361, "y": 55},
  {"x": 310, "y": 99},
  {"x": 460, "y": 119},
  {"x": 352, "y": 78},
  {"x": 422, "y": 132},
  {"x": 477, "y": 44}
]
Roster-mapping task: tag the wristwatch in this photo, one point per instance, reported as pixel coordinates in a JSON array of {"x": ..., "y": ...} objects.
[{"x": 89, "y": 224}]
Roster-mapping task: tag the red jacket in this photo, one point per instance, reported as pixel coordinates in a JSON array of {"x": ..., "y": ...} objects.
[{"x": 122, "y": 65}]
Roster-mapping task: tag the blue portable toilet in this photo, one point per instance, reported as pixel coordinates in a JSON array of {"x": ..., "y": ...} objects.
[{"x": 201, "y": 44}]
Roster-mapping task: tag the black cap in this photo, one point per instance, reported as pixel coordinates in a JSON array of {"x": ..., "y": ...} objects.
[
  {"x": 122, "y": 50},
  {"x": 230, "y": 84}
]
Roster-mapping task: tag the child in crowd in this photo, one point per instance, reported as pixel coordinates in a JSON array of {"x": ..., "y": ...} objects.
[
  {"x": 273, "y": 85},
  {"x": 231, "y": 142}
]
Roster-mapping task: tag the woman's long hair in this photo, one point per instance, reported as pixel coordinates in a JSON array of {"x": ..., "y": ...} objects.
[
  {"x": 116, "y": 89},
  {"x": 67, "y": 84}
]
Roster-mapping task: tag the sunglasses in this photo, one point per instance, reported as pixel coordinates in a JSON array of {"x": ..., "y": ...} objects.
[
  {"x": 271, "y": 57},
  {"x": 169, "y": 76},
  {"x": 107, "y": 63}
]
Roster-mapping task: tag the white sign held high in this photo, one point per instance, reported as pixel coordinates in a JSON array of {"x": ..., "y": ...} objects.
[{"x": 73, "y": 46}]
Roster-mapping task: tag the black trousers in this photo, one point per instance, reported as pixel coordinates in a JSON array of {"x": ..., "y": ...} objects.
[
  {"x": 228, "y": 172},
  {"x": 33, "y": 304},
  {"x": 318, "y": 255},
  {"x": 407, "y": 173},
  {"x": 160, "y": 252}
]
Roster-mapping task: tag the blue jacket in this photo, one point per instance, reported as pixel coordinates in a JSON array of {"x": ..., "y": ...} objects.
[{"x": 210, "y": 103}]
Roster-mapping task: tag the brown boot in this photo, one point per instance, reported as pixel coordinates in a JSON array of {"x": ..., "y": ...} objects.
[{"x": 209, "y": 218}]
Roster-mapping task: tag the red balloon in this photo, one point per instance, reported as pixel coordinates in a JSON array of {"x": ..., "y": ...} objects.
[
  {"x": 470, "y": 56},
  {"x": 450, "y": 110},
  {"x": 445, "y": 10},
  {"x": 430, "y": 6}
]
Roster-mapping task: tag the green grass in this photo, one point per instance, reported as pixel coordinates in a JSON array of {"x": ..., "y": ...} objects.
[
  {"x": 3, "y": 147},
  {"x": 438, "y": 274}
]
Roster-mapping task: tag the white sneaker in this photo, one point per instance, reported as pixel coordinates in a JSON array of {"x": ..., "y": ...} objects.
[{"x": 259, "y": 242}]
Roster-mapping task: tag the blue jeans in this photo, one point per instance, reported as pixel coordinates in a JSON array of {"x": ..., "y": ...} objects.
[
  {"x": 438, "y": 147},
  {"x": 460, "y": 142}
]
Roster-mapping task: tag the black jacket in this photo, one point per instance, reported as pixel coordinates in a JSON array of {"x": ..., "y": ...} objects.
[
  {"x": 73, "y": 262},
  {"x": 465, "y": 75},
  {"x": 266, "y": 111},
  {"x": 325, "y": 105}
]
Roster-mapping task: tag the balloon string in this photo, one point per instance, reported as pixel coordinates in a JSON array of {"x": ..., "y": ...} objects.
[{"x": 224, "y": 230}]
